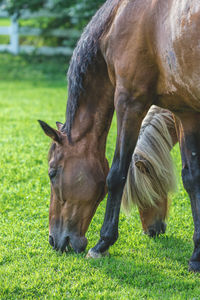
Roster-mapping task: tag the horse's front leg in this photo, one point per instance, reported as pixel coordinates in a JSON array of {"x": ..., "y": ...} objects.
[{"x": 130, "y": 113}]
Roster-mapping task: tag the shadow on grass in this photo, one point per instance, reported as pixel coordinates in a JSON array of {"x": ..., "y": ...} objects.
[
  {"x": 168, "y": 266},
  {"x": 174, "y": 248}
]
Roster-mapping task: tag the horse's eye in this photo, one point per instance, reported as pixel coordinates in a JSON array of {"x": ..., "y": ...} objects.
[{"x": 52, "y": 173}]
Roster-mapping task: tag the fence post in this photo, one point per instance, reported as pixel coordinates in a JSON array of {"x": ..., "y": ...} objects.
[{"x": 14, "y": 35}]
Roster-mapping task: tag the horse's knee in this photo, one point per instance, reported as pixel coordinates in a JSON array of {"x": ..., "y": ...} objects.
[{"x": 115, "y": 179}]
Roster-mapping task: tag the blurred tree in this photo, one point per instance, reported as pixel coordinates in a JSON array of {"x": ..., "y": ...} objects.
[
  {"x": 72, "y": 13},
  {"x": 13, "y": 6}
]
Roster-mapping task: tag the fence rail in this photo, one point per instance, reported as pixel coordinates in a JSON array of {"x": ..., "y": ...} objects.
[{"x": 14, "y": 31}]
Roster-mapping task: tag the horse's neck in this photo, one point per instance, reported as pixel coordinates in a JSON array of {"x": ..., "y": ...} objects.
[{"x": 94, "y": 115}]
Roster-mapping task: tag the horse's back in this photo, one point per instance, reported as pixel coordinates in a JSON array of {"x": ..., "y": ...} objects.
[{"x": 178, "y": 53}]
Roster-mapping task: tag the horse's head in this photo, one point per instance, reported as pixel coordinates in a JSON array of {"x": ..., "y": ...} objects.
[{"x": 77, "y": 178}]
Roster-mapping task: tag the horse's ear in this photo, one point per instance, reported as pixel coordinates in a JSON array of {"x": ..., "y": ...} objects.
[
  {"x": 51, "y": 132},
  {"x": 142, "y": 165},
  {"x": 59, "y": 125}
]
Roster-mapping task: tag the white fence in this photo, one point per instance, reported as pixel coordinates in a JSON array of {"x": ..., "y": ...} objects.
[{"x": 14, "y": 31}]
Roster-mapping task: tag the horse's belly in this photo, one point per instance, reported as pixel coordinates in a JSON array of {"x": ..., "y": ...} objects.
[{"x": 178, "y": 43}]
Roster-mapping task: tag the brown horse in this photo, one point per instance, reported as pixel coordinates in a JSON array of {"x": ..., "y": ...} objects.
[{"x": 133, "y": 53}]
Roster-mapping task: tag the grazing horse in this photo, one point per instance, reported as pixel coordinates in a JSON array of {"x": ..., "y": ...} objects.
[
  {"x": 133, "y": 54},
  {"x": 151, "y": 174}
]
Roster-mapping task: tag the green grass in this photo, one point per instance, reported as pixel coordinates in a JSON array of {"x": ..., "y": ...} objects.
[
  {"x": 139, "y": 267},
  {"x": 4, "y": 39},
  {"x": 5, "y": 22}
]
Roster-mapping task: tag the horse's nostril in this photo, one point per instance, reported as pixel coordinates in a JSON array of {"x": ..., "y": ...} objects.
[
  {"x": 64, "y": 247},
  {"x": 51, "y": 241}
]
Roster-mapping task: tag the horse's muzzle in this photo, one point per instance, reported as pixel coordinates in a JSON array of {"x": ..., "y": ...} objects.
[{"x": 61, "y": 243}]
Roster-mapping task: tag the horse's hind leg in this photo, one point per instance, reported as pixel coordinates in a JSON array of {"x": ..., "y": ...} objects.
[
  {"x": 189, "y": 137},
  {"x": 153, "y": 218}
]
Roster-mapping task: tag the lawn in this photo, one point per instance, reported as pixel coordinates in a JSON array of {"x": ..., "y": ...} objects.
[
  {"x": 4, "y": 39},
  {"x": 138, "y": 268},
  {"x": 5, "y": 22}
]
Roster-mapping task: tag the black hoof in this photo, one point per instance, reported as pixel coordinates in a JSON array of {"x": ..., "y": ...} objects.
[
  {"x": 156, "y": 229},
  {"x": 194, "y": 266}
]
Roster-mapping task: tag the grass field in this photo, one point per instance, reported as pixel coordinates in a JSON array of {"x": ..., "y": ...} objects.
[
  {"x": 4, "y": 39},
  {"x": 139, "y": 267},
  {"x": 5, "y": 22}
]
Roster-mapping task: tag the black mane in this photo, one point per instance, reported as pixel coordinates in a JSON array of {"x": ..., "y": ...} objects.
[{"x": 84, "y": 56}]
